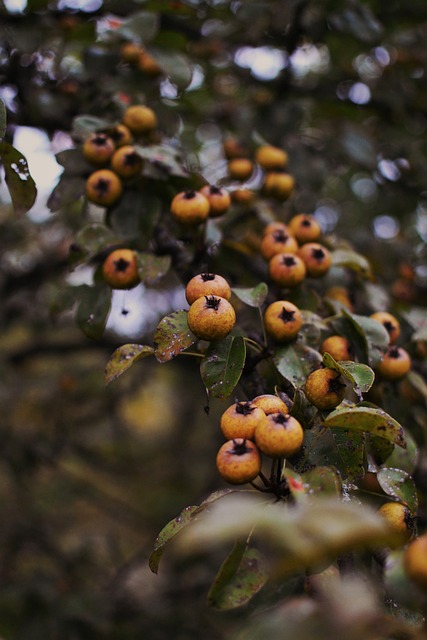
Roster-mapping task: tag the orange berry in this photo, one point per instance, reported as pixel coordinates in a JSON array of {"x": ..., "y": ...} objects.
[
  {"x": 286, "y": 269},
  {"x": 205, "y": 284},
  {"x": 282, "y": 320},
  {"x": 140, "y": 119},
  {"x": 280, "y": 436},
  {"x": 324, "y": 389},
  {"x": 277, "y": 241},
  {"x": 103, "y": 187},
  {"x": 240, "y": 420},
  {"x": 415, "y": 561},
  {"x": 238, "y": 461},
  {"x": 271, "y": 158},
  {"x": 98, "y": 148},
  {"x": 389, "y": 322},
  {"x": 399, "y": 520},
  {"x": 305, "y": 228},
  {"x": 270, "y": 403},
  {"x": 126, "y": 162},
  {"x": 278, "y": 185},
  {"x": 120, "y": 269},
  {"x": 190, "y": 207},
  {"x": 338, "y": 347},
  {"x": 395, "y": 364},
  {"x": 317, "y": 258},
  {"x": 120, "y": 135},
  {"x": 219, "y": 200},
  {"x": 240, "y": 168},
  {"x": 211, "y": 318}
]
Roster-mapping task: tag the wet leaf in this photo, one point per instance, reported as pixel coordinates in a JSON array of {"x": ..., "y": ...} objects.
[
  {"x": 134, "y": 216},
  {"x": 360, "y": 375},
  {"x": 323, "y": 480},
  {"x": 172, "y": 336},
  {"x": 252, "y": 296},
  {"x": 223, "y": 365},
  {"x": 177, "y": 66},
  {"x": 405, "y": 459},
  {"x": 93, "y": 310},
  {"x": 299, "y": 536},
  {"x": 67, "y": 191},
  {"x": 242, "y": 574},
  {"x": 123, "y": 358},
  {"x": 73, "y": 162},
  {"x": 339, "y": 449},
  {"x": 152, "y": 268},
  {"x": 375, "y": 421},
  {"x": 85, "y": 124},
  {"x": 21, "y": 185},
  {"x": 168, "y": 533},
  {"x": 352, "y": 260},
  {"x": 295, "y": 362},
  {"x": 399, "y": 484},
  {"x": 351, "y": 448}
]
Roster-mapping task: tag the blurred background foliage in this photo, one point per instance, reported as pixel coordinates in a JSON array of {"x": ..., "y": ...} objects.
[{"x": 89, "y": 475}]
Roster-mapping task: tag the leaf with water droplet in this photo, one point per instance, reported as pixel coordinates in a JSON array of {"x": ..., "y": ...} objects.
[
  {"x": 242, "y": 574},
  {"x": 375, "y": 421},
  {"x": 21, "y": 185},
  {"x": 223, "y": 365},
  {"x": 399, "y": 484},
  {"x": 168, "y": 533},
  {"x": 253, "y": 296},
  {"x": 360, "y": 375},
  {"x": 172, "y": 336},
  {"x": 323, "y": 480},
  {"x": 123, "y": 358}
]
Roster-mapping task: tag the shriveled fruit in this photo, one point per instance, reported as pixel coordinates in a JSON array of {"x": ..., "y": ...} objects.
[
  {"x": 281, "y": 436},
  {"x": 98, "y": 148},
  {"x": 211, "y": 317},
  {"x": 305, "y": 228},
  {"x": 190, "y": 207},
  {"x": 240, "y": 420},
  {"x": 389, "y": 322},
  {"x": 205, "y": 284},
  {"x": 238, "y": 461},
  {"x": 317, "y": 258},
  {"x": 395, "y": 364},
  {"x": 120, "y": 269},
  {"x": 282, "y": 320},
  {"x": 219, "y": 200},
  {"x": 103, "y": 187},
  {"x": 286, "y": 269},
  {"x": 415, "y": 561},
  {"x": 126, "y": 162},
  {"x": 140, "y": 119},
  {"x": 338, "y": 347},
  {"x": 325, "y": 389}
]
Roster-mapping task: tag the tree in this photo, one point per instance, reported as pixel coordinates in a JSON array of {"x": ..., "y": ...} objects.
[{"x": 192, "y": 137}]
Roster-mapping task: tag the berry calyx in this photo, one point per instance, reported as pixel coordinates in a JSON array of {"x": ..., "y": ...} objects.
[
  {"x": 281, "y": 436},
  {"x": 390, "y": 323},
  {"x": 240, "y": 420},
  {"x": 211, "y": 317},
  {"x": 395, "y": 364},
  {"x": 190, "y": 207},
  {"x": 205, "y": 284},
  {"x": 98, "y": 148},
  {"x": 103, "y": 187},
  {"x": 282, "y": 320},
  {"x": 317, "y": 259},
  {"x": 120, "y": 269}
]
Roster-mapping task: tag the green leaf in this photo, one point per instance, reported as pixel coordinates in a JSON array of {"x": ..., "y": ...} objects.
[
  {"x": 405, "y": 459},
  {"x": 93, "y": 238},
  {"x": 140, "y": 27},
  {"x": 166, "y": 159},
  {"x": 295, "y": 362},
  {"x": 93, "y": 310},
  {"x": 2, "y": 119},
  {"x": 223, "y": 365},
  {"x": 242, "y": 574},
  {"x": 152, "y": 268},
  {"x": 374, "y": 336},
  {"x": 295, "y": 484},
  {"x": 339, "y": 449},
  {"x": 168, "y": 533},
  {"x": 252, "y": 296},
  {"x": 323, "y": 480},
  {"x": 399, "y": 484},
  {"x": 21, "y": 185},
  {"x": 375, "y": 421},
  {"x": 177, "y": 66},
  {"x": 299, "y": 536},
  {"x": 85, "y": 124},
  {"x": 123, "y": 358},
  {"x": 172, "y": 336},
  {"x": 360, "y": 375},
  {"x": 67, "y": 191},
  {"x": 134, "y": 216},
  {"x": 351, "y": 260}
]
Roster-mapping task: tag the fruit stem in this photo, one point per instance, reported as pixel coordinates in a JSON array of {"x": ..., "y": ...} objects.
[{"x": 253, "y": 343}]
